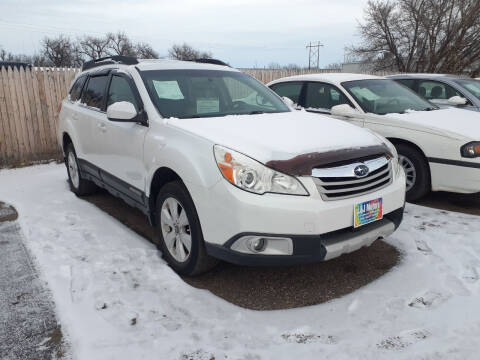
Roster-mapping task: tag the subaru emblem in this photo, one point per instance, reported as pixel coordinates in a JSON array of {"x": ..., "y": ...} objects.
[{"x": 361, "y": 171}]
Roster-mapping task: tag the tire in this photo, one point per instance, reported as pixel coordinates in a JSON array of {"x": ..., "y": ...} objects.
[
  {"x": 179, "y": 231},
  {"x": 416, "y": 171},
  {"x": 78, "y": 185}
]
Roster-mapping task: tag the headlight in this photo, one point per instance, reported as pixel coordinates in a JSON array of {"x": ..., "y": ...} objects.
[
  {"x": 471, "y": 150},
  {"x": 395, "y": 165},
  {"x": 252, "y": 176}
]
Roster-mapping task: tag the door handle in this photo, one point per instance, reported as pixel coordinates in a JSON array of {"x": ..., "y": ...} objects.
[{"x": 102, "y": 127}]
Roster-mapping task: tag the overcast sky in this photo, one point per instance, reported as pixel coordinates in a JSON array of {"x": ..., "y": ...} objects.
[{"x": 245, "y": 33}]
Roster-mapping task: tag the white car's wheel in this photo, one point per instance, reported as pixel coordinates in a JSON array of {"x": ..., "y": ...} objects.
[
  {"x": 176, "y": 229},
  {"x": 78, "y": 185},
  {"x": 179, "y": 231},
  {"x": 416, "y": 170}
]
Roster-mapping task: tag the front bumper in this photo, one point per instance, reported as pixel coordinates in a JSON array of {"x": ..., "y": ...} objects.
[
  {"x": 318, "y": 229},
  {"x": 311, "y": 249}
]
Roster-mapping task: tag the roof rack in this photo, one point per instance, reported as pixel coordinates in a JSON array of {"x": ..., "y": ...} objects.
[
  {"x": 211, "y": 61},
  {"x": 116, "y": 59}
]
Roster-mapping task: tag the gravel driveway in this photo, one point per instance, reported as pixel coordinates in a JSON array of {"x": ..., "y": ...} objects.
[{"x": 28, "y": 326}]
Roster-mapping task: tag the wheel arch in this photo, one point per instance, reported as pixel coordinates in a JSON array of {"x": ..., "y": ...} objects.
[
  {"x": 397, "y": 141},
  {"x": 161, "y": 176},
  {"x": 66, "y": 140}
]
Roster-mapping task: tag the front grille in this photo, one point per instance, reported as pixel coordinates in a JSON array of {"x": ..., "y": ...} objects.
[{"x": 340, "y": 182}]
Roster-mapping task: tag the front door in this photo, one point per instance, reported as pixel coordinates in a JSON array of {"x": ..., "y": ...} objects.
[{"x": 119, "y": 145}]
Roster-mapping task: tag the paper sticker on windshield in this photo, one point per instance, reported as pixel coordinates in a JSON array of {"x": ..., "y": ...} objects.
[
  {"x": 206, "y": 106},
  {"x": 168, "y": 90}
]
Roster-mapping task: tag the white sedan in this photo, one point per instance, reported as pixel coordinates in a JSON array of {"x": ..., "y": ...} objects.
[{"x": 439, "y": 149}]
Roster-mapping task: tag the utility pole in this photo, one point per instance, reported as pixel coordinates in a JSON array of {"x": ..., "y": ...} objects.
[{"x": 314, "y": 54}]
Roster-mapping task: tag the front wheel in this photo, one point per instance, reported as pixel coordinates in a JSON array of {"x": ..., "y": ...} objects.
[
  {"x": 416, "y": 170},
  {"x": 179, "y": 231}
]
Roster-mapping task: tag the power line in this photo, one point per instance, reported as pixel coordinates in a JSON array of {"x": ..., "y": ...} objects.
[{"x": 314, "y": 54}]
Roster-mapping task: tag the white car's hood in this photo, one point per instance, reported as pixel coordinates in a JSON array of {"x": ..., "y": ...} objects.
[
  {"x": 449, "y": 122},
  {"x": 278, "y": 136}
]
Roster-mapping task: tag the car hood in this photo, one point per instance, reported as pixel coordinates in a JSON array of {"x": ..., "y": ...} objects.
[
  {"x": 451, "y": 122},
  {"x": 279, "y": 136}
]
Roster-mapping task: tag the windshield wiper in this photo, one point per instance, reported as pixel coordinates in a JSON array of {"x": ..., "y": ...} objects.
[{"x": 430, "y": 108}]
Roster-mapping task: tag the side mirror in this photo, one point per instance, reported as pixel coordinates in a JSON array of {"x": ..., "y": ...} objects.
[
  {"x": 457, "y": 100},
  {"x": 122, "y": 111},
  {"x": 344, "y": 110},
  {"x": 289, "y": 102}
]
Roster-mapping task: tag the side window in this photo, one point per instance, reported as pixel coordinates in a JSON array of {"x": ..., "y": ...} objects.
[
  {"x": 94, "y": 95},
  {"x": 323, "y": 96},
  {"x": 120, "y": 90},
  {"x": 436, "y": 90},
  {"x": 77, "y": 87},
  {"x": 410, "y": 83},
  {"x": 291, "y": 90}
]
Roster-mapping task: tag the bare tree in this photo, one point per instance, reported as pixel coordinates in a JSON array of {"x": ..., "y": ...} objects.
[
  {"x": 421, "y": 36},
  {"x": 120, "y": 44},
  {"x": 95, "y": 47},
  {"x": 186, "y": 52},
  {"x": 3, "y": 54},
  {"x": 145, "y": 51},
  {"x": 60, "y": 51}
]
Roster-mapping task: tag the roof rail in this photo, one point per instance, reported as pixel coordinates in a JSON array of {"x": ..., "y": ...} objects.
[
  {"x": 116, "y": 59},
  {"x": 211, "y": 61}
]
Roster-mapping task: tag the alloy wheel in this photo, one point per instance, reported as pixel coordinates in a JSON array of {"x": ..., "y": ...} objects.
[
  {"x": 176, "y": 229},
  {"x": 73, "y": 170},
  {"x": 410, "y": 172}
]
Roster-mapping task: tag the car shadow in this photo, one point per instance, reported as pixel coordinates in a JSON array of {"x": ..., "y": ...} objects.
[
  {"x": 272, "y": 288},
  {"x": 463, "y": 203}
]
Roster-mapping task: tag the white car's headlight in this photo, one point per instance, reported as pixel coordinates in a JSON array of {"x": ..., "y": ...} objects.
[{"x": 251, "y": 175}]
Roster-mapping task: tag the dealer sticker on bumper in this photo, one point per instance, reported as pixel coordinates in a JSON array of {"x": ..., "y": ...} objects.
[{"x": 367, "y": 212}]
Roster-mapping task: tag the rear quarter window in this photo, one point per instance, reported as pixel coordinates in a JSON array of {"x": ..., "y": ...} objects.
[
  {"x": 76, "y": 90},
  {"x": 94, "y": 95}
]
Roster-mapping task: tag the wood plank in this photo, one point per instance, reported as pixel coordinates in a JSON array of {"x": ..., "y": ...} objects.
[
  {"x": 13, "y": 78},
  {"x": 15, "y": 149},
  {"x": 37, "y": 106},
  {"x": 6, "y": 146},
  {"x": 42, "y": 89},
  {"x": 27, "y": 120},
  {"x": 49, "y": 89}
]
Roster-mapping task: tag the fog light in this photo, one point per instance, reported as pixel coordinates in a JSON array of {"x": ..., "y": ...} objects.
[
  {"x": 263, "y": 245},
  {"x": 257, "y": 244}
]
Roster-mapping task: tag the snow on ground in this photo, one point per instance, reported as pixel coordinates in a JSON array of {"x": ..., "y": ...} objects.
[{"x": 117, "y": 299}]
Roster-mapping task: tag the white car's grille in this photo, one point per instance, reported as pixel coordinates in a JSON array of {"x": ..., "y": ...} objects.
[{"x": 340, "y": 182}]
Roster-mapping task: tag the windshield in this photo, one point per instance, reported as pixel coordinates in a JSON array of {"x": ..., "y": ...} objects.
[
  {"x": 207, "y": 93},
  {"x": 382, "y": 96},
  {"x": 471, "y": 85}
]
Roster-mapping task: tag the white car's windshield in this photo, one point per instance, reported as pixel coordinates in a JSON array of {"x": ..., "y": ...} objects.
[
  {"x": 471, "y": 85},
  {"x": 382, "y": 96},
  {"x": 208, "y": 93}
]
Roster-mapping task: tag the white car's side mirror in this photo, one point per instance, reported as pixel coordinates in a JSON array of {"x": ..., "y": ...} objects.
[
  {"x": 457, "y": 100},
  {"x": 344, "y": 110},
  {"x": 121, "y": 111},
  {"x": 289, "y": 102}
]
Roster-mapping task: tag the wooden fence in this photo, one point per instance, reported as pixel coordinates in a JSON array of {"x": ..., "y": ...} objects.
[{"x": 29, "y": 102}]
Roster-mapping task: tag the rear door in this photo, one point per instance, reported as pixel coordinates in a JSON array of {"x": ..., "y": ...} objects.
[
  {"x": 91, "y": 107},
  {"x": 119, "y": 145}
]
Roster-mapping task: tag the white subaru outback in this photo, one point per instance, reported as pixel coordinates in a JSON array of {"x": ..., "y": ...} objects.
[{"x": 223, "y": 168}]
